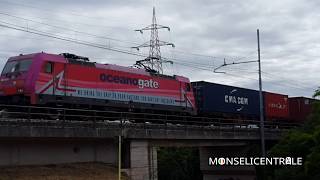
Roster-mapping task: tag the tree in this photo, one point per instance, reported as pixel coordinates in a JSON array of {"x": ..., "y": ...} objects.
[
  {"x": 178, "y": 163},
  {"x": 302, "y": 142},
  {"x": 317, "y": 93}
]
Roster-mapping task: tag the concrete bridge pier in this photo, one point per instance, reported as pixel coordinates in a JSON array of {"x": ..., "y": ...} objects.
[
  {"x": 143, "y": 161},
  {"x": 225, "y": 172},
  {"x": 26, "y": 151},
  {"x": 34, "y": 142}
]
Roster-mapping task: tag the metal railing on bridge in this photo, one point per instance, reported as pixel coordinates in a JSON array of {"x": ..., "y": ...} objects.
[{"x": 49, "y": 116}]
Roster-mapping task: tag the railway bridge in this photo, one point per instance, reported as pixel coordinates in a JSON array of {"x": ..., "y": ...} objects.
[{"x": 26, "y": 140}]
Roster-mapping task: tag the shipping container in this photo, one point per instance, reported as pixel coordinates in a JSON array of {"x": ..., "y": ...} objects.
[
  {"x": 276, "y": 106},
  {"x": 300, "y": 108},
  {"x": 212, "y": 98}
]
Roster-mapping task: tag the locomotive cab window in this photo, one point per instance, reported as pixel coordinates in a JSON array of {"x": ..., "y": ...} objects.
[
  {"x": 48, "y": 68},
  {"x": 17, "y": 66}
]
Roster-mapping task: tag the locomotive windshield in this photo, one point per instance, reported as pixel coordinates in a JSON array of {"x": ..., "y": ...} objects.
[{"x": 16, "y": 66}]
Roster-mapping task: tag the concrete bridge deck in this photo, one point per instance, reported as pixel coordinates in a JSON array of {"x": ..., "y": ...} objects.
[
  {"x": 104, "y": 130},
  {"x": 24, "y": 142}
]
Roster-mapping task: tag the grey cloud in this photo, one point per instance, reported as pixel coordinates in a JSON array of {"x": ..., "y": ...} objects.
[{"x": 219, "y": 28}]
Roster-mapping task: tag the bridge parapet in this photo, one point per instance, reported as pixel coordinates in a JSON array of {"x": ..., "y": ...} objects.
[{"x": 10, "y": 128}]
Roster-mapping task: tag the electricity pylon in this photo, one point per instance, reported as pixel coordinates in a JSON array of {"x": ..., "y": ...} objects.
[{"x": 153, "y": 62}]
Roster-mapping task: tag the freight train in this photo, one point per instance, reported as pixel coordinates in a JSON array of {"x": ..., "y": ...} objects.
[
  {"x": 44, "y": 79},
  {"x": 217, "y": 100}
]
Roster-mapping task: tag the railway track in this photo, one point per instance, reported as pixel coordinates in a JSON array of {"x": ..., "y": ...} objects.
[{"x": 64, "y": 117}]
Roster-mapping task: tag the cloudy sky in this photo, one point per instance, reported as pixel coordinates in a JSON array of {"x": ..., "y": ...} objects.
[{"x": 204, "y": 32}]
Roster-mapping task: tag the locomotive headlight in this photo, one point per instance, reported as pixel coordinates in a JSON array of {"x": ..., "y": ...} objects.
[{"x": 20, "y": 90}]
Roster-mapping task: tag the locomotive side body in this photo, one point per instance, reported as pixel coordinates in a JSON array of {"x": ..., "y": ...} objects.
[
  {"x": 18, "y": 78},
  {"x": 56, "y": 79},
  {"x": 73, "y": 81}
]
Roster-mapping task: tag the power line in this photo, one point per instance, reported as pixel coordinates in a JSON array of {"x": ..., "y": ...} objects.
[
  {"x": 45, "y": 34},
  {"x": 242, "y": 62},
  {"x": 77, "y": 14},
  {"x": 92, "y": 35},
  {"x": 41, "y": 33},
  {"x": 302, "y": 89},
  {"x": 187, "y": 64},
  {"x": 249, "y": 78},
  {"x": 278, "y": 76},
  {"x": 247, "y": 56},
  {"x": 73, "y": 22},
  {"x": 69, "y": 29},
  {"x": 270, "y": 75},
  {"x": 289, "y": 84},
  {"x": 48, "y": 10},
  {"x": 196, "y": 54}
]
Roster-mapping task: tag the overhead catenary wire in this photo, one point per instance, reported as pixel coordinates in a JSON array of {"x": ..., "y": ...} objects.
[
  {"x": 94, "y": 35},
  {"x": 75, "y": 14},
  {"x": 69, "y": 29},
  {"x": 302, "y": 89},
  {"x": 51, "y": 12},
  {"x": 293, "y": 85},
  {"x": 45, "y": 34},
  {"x": 78, "y": 14},
  {"x": 102, "y": 47},
  {"x": 298, "y": 83},
  {"x": 41, "y": 33},
  {"x": 177, "y": 61},
  {"x": 98, "y": 46},
  {"x": 250, "y": 61}
]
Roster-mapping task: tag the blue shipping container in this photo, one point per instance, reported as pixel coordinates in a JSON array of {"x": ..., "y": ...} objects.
[{"x": 218, "y": 98}]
